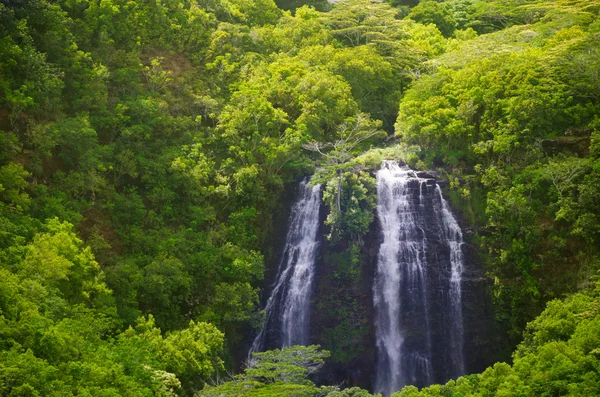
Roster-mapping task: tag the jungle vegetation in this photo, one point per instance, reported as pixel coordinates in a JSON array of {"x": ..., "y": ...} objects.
[{"x": 145, "y": 145}]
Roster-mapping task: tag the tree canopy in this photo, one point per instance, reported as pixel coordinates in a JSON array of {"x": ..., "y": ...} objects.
[{"x": 146, "y": 148}]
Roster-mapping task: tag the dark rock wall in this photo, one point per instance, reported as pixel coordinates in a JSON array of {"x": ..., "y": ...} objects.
[
  {"x": 342, "y": 317},
  {"x": 342, "y": 304}
]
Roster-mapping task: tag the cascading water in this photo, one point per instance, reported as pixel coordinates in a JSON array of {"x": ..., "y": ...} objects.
[
  {"x": 287, "y": 310},
  {"x": 452, "y": 235},
  {"x": 417, "y": 287}
]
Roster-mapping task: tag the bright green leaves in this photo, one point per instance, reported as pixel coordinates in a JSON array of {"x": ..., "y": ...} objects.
[
  {"x": 57, "y": 259},
  {"x": 233, "y": 304},
  {"x": 351, "y": 199},
  {"x": 509, "y": 208},
  {"x": 361, "y": 22},
  {"x": 587, "y": 223},
  {"x": 193, "y": 353},
  {"x": 426, "y": 116},
  {"x": 404, "y": 46},
  {"x": 30, "y": 375},
  {"x": 282, "y": 372},
  {"x": 432, "y": 12},
  {"x": 193, "y": 168},
  {"x": 501, "y": 102},
  {"x": 558, "y": 349},
  {"x": 166, "y": 131},
  {"x": 557, "y": 323},
  {"x": 13, "y": 185},
  {"x": 252, "y": 127},
  {"x": 285, "y": 104},
  {"x": 565, "y": 175},
  {"x": 373, "y": 79},
  {"x": 275, "y": 373},
  {"x": 428, "y": 42},
  {"x": 290, "y": 365},
  {"x": 291, "y": 34},
  {"x": 57, "y": 315},
  {"x": 491, "y": 105},
  {"x": 253, "y": 12},
  {"x": 509, "y": 105},
  {"x": 133, "y": 25}
]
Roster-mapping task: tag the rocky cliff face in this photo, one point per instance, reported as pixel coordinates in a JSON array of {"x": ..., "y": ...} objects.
[{"x": 343, "y": 316}]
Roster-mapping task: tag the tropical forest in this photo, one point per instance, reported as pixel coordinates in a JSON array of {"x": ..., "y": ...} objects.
[{"x": 303, "y": 198}]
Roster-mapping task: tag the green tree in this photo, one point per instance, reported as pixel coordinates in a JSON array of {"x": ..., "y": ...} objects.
[{"x": 433, "y": 12}]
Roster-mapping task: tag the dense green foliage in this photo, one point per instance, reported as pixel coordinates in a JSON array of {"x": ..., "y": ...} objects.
[
  {"x": 165, "y": 133},
  {"x": 514, "y": 117},
  {"x": 59, "y": 330},
  {"x": 275, "y": 373},
  {"x": 144, "y": 146},
  {"x": 281, "y": 373}
]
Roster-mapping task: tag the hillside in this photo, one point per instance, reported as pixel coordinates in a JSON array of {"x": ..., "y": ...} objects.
[{"x": 149, "y": 152}]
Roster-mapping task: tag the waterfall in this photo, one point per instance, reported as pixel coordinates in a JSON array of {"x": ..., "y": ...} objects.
[
  {"x": 287, "y": 309},
  {"x": 417, "y": 287},
  {"x": 452, "y": 234}
]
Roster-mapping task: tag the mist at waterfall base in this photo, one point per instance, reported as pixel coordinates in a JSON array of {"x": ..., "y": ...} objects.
[
  {"x": 417, "y": 286},
  {"x": 287, "y": 312}
]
